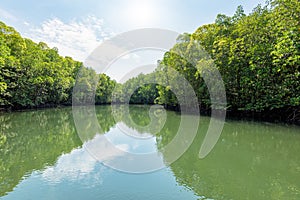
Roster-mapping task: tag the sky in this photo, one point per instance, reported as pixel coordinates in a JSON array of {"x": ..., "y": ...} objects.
[{"x": 77, "y": 27}]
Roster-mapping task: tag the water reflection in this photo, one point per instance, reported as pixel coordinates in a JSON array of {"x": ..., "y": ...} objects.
[
  {"x": 118, "y": 156},
  {"x": 123, "y": 148},
  {"x": 73, "y": 173},
  {"x": 250, "y": 161},
  {"x": 42, "y": 157},
  {"x": 129, "y": 142},
  {"x": 75, "y": 166},
  {"x": 51, "y": 150},
  {"x": 33, "y": 140}
]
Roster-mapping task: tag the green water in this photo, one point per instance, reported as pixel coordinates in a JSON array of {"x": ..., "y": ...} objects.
[{"x": 42, "y": 157}]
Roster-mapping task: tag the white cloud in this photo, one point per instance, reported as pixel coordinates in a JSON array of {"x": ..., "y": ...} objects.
[
  {"x": 132, "y": 56},
  {"x": 7, "y": 15},
  {"x": 26, "y": 23},
  {"x": 77, "y": 38}
]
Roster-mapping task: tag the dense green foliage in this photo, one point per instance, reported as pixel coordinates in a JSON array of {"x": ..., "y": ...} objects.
[
  {"x": 257, "y": 55},
  {"x": 139, "y": 90},
  {"x": 34, "y": 75}
]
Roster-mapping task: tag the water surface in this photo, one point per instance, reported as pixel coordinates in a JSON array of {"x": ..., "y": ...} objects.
[{"x": 42, "y": 157}]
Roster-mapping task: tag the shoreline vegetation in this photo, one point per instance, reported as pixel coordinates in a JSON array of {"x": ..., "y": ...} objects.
[
  {"x": 257, "y": 55},
  {"x": 277, "y": 116}
]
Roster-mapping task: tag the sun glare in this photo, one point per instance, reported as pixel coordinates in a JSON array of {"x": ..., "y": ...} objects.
[{"x": 140, "y": 13}]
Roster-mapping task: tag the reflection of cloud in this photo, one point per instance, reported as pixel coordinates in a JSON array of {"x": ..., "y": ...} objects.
[
  {"x": 77, "y": 38},
  {"x": 80, "y": 164},
  {"x": 125, "y": 153},
  {"x": 103, "y": 150},
  {"x": 74, "y": 166},
  {"x": 136, "y": 142}
]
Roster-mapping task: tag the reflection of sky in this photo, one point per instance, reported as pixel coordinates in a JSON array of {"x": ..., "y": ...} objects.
[
  {"x": 73, "y": 166},
  {"x": 124, "y": 152},
  {"x": 129, "y": 143},
  {"x": 78, "y": 176}
]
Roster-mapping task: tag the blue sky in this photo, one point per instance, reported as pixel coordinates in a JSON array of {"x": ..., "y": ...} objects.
[
  {"x": 120, "y": 15},
  {"x": 76, "y": 27}
]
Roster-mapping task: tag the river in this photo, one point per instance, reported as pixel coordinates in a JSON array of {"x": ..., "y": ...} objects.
[{"x": 43, "y": 157}]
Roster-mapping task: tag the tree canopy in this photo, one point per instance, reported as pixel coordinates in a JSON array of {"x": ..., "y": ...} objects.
[
  {"x": 34, "y": 75},
  {"x": 257, "y": 55}
]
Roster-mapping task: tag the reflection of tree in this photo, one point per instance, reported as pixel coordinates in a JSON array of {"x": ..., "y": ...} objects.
[
  {"x": 250, "y": 161},
  {"x": 51, "y": 133},
  {"x": 105, "y": 118},
  {"x": 34, "y": 140},
  {"x": 138, "y": 117},
  {"x": 169, "y": 130}
]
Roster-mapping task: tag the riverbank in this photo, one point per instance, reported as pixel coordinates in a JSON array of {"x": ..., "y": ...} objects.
[
  {"x": 284, "y": 115},
  {"x": 289, "y": 115}
]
